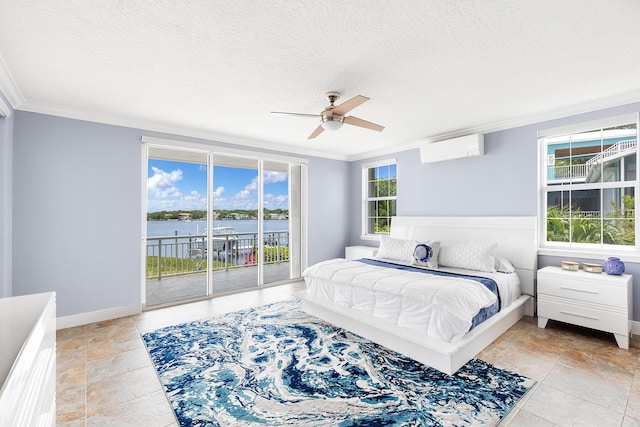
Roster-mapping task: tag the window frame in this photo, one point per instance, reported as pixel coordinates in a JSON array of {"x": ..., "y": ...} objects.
[
  {"x": 593, "y": 250},
  {"x": 365, "y": 232},
  {"x": 237, "y": 157}
]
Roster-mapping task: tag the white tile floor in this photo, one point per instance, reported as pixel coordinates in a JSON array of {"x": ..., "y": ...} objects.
[{"x": 105, "y": 376}]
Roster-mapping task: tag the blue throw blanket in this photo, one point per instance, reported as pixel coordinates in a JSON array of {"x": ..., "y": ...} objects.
[{"x": 490, "y": 284}]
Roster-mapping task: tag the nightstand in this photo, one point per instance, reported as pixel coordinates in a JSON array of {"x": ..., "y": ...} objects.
[
  {"x": 595, "y": 300},
  {"x": 355, "y": 252}
]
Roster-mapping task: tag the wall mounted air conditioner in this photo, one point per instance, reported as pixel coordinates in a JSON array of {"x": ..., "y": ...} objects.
[{"x": 456, "y": 148}]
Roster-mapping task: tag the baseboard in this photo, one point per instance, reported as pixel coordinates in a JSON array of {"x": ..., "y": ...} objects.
[
  {"x": 114, "y": 313},
  {"x": 635, "y": 328},
  {"x": 96, "y": 316}
]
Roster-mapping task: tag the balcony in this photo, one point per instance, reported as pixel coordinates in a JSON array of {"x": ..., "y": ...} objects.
[
  {"x": 589, "y": 171},
  {"x": 177, "y": 265}
]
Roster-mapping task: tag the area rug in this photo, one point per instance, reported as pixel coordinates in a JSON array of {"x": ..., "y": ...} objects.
[{"x": 276, "y": 365}]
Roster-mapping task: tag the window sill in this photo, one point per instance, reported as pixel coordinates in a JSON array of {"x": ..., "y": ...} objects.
[
  {"x": 372, "y": 237},
  {"x": 626, "y": 256}
]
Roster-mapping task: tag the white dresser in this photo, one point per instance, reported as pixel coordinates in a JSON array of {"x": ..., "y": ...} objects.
[
  {"x": 28, "y": 360},
  {"x": 355, "y": 252},
  {"x": 595, "y": 300}
]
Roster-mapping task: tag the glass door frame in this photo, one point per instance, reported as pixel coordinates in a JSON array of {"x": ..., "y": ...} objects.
[
  {"x": 212, "y": 151},
  {"x": 181, "y": 156}
]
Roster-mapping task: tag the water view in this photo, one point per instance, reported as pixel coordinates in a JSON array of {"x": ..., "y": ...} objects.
[
  {"x": 182, "y": 258},
  {"x": 186, "y": 228},
  {"x": 177, "y": 247}
]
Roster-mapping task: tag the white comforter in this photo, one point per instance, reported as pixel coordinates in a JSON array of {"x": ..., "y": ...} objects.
[{"x": 438, "y": 306}]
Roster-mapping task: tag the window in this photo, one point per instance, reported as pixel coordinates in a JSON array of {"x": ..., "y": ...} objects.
[
  {"x": 589, "y": 182},
  {"x": 379, "y": 196}
]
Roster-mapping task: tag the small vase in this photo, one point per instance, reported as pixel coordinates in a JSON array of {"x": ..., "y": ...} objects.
[{"x": 613, "y": 265}]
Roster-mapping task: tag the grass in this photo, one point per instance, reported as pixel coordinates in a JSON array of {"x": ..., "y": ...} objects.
[{"x": 172, "y": 266}]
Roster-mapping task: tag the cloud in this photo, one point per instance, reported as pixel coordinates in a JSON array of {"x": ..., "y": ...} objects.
[
  {"x": 193, "y": 195},
  {"x": 163, "y": 184},
  {"x": 218, "y": 192},
  {"x": 252, "y": 186},
  {"x": 242, "y": 194},
  {"x": 280, "y": 201},
  {"x": 270, "y": 177},
  {"x": 163, "y": 193}
]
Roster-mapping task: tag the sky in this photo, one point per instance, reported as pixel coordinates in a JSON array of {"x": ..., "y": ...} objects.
[{"x": 183, "y": 186}]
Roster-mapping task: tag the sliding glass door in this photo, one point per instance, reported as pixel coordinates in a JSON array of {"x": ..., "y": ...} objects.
[
  {"x": 219, "y": 223},
  {"x": 280, "y": 229},
  {"x": 176, "y": 226},
  {"x": 235, "y": 223}
]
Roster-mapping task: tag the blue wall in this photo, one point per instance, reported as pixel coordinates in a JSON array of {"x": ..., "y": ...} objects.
[
  {"x": 73, "y": 202},
  {"x": 77, "y": 211},
  {"x": 6, "y": 171},
  {"x": 329, "y": 200},
  {"x": 502, "y": 182}
]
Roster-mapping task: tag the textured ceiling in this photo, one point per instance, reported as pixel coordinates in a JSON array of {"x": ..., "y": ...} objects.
[{"x": 215, "y": 69}]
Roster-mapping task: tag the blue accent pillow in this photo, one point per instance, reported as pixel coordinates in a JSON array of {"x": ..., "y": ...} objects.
[
  {"x": 426, "y": 254},
  {"x": 422, "y": 252}
]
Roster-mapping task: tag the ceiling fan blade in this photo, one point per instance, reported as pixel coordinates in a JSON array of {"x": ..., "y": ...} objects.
[
  {"x": 296, "y": 114},
  {"x": 316, "y": 132},
  {"x": 362, "y": 123},
  {"x": 349, "y": 105}
]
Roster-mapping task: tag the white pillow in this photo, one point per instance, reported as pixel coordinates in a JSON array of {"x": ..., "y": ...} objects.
[
  {"x": 426, "y": 254},
  {"x": 471, "y": 256},
  {"x": 503, "y": 265},
  {"x": 398, "y": 249}
]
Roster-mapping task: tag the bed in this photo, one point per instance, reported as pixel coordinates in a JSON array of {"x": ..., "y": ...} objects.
[{"x": 332, "y": 285}]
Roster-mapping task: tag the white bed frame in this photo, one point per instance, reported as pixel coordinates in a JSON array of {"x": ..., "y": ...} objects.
[{"x": 517, "y": 241}]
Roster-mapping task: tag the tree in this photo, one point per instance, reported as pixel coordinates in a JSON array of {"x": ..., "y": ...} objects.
[{"x": 569, "y": 225}]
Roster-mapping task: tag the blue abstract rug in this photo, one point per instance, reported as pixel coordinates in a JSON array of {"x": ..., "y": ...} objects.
[{"x": 276, "y": 365}]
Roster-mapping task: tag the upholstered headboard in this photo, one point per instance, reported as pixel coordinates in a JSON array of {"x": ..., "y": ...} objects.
[{"x": 516, "y": 237}]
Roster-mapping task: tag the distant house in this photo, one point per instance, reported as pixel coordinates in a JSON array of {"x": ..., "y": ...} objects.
[
  {"x": 184, "y": 216},
  {"x": 234, "y": 216},
  {"x": 277, "y": 216},
  {"x": 591, "y": 157}
]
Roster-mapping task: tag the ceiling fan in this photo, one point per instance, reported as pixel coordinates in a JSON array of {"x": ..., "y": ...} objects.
[{"x": 333, "y": 116}]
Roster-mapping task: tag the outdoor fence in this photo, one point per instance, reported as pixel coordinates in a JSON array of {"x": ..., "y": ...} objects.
[{"x": 179, "y": 255}]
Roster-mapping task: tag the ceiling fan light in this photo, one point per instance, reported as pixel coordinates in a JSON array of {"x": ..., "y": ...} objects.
[{"x": 332, "y": 125}]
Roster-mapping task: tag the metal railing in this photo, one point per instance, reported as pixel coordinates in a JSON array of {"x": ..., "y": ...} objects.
[
  {"x": 586, "y": 214},
  {"x": 169, "y": 256},
  {"x": 573, "y": 171},
  {"x": 626, "y": 214},
  {"x": 618, "y": 148}
]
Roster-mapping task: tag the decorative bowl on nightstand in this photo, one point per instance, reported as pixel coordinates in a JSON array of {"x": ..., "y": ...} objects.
[
  {"x": 591, "y": 268},
  {"x": 569, "y": 265}
]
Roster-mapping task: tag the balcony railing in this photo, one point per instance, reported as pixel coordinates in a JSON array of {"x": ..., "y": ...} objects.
[
  {"x": 577, "y": 214},
  {"x": 621, "y": 147},
  {"x": 180, "y": 255},
  {"x": 566, "y": 172},
  {"x": 580, "y": 171}
]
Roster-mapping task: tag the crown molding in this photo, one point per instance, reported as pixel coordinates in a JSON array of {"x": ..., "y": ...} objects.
[
  {"x": 625, "y": 98},
  {"x": 8, "y": 86},
  {"x": 5, "y": 110},
  {"x": 617, "y": 100},
  {"x": 162, "y": 128}
]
